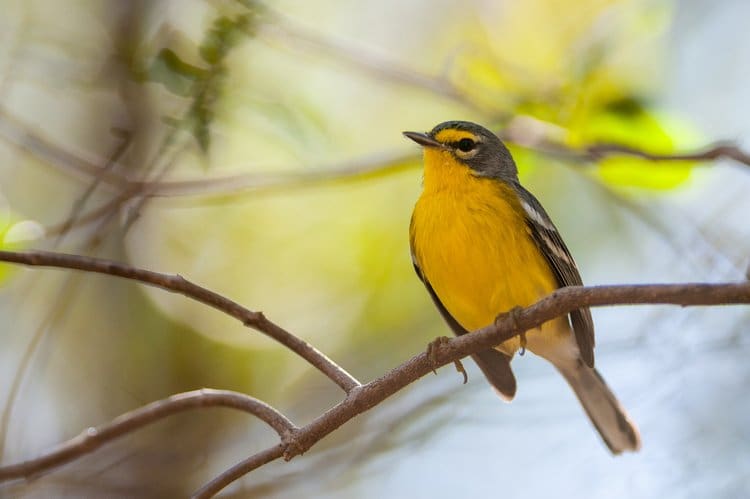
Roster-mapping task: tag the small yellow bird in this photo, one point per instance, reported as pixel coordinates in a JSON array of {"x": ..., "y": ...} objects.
[{"x": 482, "y": 245}]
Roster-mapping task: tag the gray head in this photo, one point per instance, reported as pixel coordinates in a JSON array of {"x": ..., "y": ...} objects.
[{"x": 472, "y": 145}]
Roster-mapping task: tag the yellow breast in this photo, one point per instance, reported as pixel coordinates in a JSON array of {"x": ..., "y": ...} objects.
[{"x": 469, "y": 238}]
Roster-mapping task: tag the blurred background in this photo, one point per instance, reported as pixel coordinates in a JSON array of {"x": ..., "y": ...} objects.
[{"x": 256, "y": 150}]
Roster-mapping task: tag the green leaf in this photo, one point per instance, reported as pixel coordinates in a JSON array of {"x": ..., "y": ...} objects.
[
  {"x": 628, "y": 123},
  {"x": 178, "y": 76}
]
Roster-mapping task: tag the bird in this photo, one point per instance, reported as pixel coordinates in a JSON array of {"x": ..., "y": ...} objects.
[{"x": 483, "y": 246}]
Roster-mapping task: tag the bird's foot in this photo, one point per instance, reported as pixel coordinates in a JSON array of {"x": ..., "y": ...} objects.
[
  {"x": 522, "y": 340},
  {"x": 433, "y": 352},
  {"x": 512, "y": 315}
]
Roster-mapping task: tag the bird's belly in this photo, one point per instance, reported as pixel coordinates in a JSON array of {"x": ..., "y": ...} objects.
[{"x": 481, "y": 261}]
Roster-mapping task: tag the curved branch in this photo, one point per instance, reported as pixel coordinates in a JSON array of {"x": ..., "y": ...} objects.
[
  {"x": 178, "y": 284},
  {"x": 360, "y": 398},
  {"x": 236, "y": 472},
  {"x": 561, "y": 302},
  {"x": 92, "y": 438}
]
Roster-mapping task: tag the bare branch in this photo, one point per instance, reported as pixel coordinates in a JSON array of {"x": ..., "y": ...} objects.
[
  {"x": 236, "y": 472},
  {"x": 560, "y": 302},
  {"x": 360, "y": 398},
  {"x": 525, "y": 131},
  {"x": 718, "y": 151},
  {"x": 21, "y": 135},
  {"x": 80, "y": 203},
  {"x": 544, "y": 138},
  {"x": 92, "y": 438},
  {"x": 178, "y": 284}
]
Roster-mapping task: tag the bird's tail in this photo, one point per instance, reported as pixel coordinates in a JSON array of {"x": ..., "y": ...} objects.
[{"x": 610, "y": 419}]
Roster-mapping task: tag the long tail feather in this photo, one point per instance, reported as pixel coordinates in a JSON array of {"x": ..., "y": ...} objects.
[{"x": 609, "y": 417}]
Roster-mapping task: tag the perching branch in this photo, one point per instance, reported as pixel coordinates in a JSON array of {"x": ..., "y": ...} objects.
[
  {"x": 91, "y": 439},
  {"x": 360, "y": 398},
  {"x": 556, "y": 304},
  {"x": 177, "y": 284}
]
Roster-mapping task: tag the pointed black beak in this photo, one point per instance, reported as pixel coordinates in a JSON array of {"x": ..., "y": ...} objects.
[{"x": 422, "y": 139}]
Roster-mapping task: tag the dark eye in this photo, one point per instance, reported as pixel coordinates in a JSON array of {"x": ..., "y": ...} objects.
[{"x": 466, "y": 145}]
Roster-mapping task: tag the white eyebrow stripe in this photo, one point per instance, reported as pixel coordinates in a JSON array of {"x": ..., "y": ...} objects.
[{"x": 536, "y": 216}]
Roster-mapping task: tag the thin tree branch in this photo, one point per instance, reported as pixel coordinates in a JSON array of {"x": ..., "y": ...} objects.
[
  {"x": 363, "y": 167},
  {"x": 560, "y": 302},
  {"x": 719, "y": 151},
  {"x": 80, "y": 203},
  {"x": 92, "y": 438},
  {"x": 22, "y": 136},
  {"x": 391, "y": 162},
  {"x": 178, "y": 284},
  {"x": 525, "y": 131},
  {"x": 360, "y": 398},
  {"x": 236, "y": 472},
  {"x": 543, "y": 137}
]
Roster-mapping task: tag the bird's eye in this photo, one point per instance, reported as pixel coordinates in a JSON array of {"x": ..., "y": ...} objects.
[{"x": 466, "y": 145}]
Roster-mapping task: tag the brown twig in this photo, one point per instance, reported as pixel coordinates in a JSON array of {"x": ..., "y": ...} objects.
[
  {"x": 718, "y": 151},
  {"x": 92, "y": 438},
  {"x": 558, "y": 303},
  {"x": 236, "y": 472},
  {"x": 178, "y": 284}
]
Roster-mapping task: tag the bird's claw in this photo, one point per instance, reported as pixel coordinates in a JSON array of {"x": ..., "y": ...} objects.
[
  {"x": 513, "y": 316},
  {"x": 433, "y": 349}
]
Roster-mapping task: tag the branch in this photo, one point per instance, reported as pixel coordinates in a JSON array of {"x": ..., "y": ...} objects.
[
  {"x": 562, "y": 301},
  {"x": 718, "y": 151},
  {"x": 239, "y": 470},
  {"x": 178, "y": 284},
  {"x": 524, "y": 131},
  {"x": 363, "y": 167},
  {"x": 92, "y": 438},
  {"x": 360, "y": 398},
  {"x": 543, "y": 137}
]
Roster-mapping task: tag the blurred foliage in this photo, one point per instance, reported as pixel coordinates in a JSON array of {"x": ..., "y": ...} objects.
[
  {"x": 15, "y": 234},
  {"x": 203, "y": 85},
  {"x": 290, "y": 192}
]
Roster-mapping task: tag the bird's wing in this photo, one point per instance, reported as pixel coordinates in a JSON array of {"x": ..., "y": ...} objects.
[
  {"x": 548, "y": 240},
  {"x": 495, "y": 365}
]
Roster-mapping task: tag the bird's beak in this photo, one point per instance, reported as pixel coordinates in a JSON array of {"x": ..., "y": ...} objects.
[{"x": 423, "y": 139}]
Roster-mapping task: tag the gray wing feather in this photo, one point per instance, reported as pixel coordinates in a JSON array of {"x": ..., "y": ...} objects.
[{"x": 562, "y": 264}]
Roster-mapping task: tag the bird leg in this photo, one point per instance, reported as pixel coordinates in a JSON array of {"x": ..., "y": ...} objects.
[
  {"x": 522, "y": 338},
  {"x": 433, "y": 350},
  {"x": 512, "y": 316}
]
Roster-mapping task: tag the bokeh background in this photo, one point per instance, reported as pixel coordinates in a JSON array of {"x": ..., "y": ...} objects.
[{"x": 256, "y": 149}]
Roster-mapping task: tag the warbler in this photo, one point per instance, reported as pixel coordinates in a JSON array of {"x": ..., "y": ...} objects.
[{"x": 483, "y": 245}]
